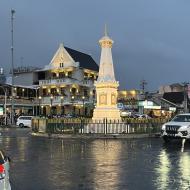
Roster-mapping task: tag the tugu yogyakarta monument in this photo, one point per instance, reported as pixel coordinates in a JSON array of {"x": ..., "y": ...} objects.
[{"x": 106, "y": 85}]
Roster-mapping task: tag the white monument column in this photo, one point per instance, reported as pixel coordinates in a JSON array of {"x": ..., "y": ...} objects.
[{"x": 106, "y": 85}]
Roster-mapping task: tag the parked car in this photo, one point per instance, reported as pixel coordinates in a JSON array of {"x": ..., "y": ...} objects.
[
  {"x": 4, "y": 172},
  {"x": 125, "y": 113},
  {"x": 24, "y": 121},
  {"x": 141, "y": 116},
  {"x": 177, "y": 128}
]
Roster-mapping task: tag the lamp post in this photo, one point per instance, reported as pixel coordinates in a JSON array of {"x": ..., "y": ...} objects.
[
  {"x": 23, "y": 92},
  {"x": 39, "y": 104},
  {"x": 83, "y": 105},
  {"x": 42, "y": 110},
  {"x": 5, "y": 103},
  {"x": 12, "y": 64},
  {"x": 51, "y": 101},
  {"x": 62, "y": 104},
  {"x": 36, "y": 93},
  {"x": 72, "y": 99}
]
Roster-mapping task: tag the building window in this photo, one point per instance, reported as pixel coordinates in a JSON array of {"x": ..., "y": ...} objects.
[
  {"x": 69, "y": 74},
  {"x": 61, "y": 64},
  {"x": 85, "y": 93},
  {"x": 53, "y": 91},
  {"x": 61, "y": 75},
  {"x": 85, "y": 75},
  {"x": 62, "y": 91},
  {"x": 44, "y": 92},
  {"x": 54, "y": 75},
  {"x": 73, "y": 90}
]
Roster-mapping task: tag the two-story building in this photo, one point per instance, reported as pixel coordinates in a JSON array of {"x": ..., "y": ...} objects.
[{"x": 66, "y": 85}]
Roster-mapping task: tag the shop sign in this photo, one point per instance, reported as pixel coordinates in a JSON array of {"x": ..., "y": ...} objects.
[
  {"x": 1, "y": 111},
  {"x": 145, "y": 103},
  {"x": 152, "y": 107},
  {"x": 172, "y": 109}
]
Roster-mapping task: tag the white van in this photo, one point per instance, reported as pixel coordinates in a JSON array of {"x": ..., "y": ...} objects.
[{"x": 24, "y": 121}]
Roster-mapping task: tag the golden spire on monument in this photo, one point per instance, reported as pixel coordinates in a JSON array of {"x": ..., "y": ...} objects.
[{"x": 106, "y": 41}]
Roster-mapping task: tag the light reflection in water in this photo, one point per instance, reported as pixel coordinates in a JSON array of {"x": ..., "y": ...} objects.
[
  {"x": 184, "y": 170},
  {"x": 163, "y": 170},
  {"x": 22, "y": 148},
  {"x": 107, "y": 164}
]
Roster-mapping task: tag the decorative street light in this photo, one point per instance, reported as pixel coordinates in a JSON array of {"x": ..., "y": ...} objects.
[
  {"x": 40, "y": 98},
  {"x": 83, "y": 105}
]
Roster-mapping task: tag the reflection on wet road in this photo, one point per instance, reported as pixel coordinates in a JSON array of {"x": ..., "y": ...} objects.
[{"x": 127, "y": 164}]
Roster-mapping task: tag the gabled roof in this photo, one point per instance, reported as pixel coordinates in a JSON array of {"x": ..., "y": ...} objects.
[
  {"x": 174, "y": 97},
  {"x": 85, "y": 60}
]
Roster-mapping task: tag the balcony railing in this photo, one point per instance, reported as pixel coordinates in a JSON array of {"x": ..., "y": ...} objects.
[
  {"x": 66, "y": 81},
  {"x": 56, "y": 100},
  {"x": 27, "y": 102}
]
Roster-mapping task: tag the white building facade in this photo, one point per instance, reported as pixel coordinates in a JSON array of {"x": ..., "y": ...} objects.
[{"x": 66, "y": 85}]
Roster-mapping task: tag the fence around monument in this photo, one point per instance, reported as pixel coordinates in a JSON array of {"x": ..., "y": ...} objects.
[{"x": 87, "y": 126}]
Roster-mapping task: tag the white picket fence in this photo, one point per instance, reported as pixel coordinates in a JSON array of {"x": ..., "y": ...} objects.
[{"x": 109, "y": 128}]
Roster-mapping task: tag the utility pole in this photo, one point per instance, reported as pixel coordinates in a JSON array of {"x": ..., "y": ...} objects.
[
  {"x": 12, "y": 64},
  {"x": 143, "y": 83}
]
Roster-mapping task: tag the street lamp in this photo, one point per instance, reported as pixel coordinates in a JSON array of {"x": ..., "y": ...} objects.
[
  {"x": 12, "y": 64},
  {"x": 42, "y": 110},
  {"x": 83, "y": 105},
  {"x": 62, "y": 104},
  {"x": 23, "y": 92},
  {"x": 51, "y": 101},
  {"x": 39, "y": 104},
  {"x": 72, "y": 99},
  {"x": 5, "y": 103},
  {"x": 36, "y": 94}
]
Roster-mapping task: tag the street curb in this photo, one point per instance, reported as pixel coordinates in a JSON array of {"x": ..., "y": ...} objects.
[{"x": 96, "y": 136}]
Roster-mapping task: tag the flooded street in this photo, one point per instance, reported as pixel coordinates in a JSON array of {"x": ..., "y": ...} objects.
[{"x": 126, "y": 164}]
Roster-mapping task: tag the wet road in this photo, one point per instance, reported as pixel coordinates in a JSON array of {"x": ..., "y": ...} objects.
[{"x": 127, "y": 164}]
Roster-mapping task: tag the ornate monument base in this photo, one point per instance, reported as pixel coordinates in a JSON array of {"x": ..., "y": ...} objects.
[
  {"x": 108, "y": 113},
  {"x": 106, "y": 106}
]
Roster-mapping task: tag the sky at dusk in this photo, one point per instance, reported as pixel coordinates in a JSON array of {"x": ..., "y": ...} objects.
[{"x": 151, "y": 37}]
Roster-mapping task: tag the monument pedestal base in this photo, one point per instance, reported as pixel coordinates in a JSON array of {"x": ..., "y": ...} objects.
[{"x": 109, "y": 113}]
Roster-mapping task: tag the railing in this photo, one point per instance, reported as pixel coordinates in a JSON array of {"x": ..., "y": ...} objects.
[
  {"x": 19, "y": 101},
  {"x": 87, "y": 126},
  {"x": 68, "y": 81},
  {"x": 56, "y": 100},
  {"x": 46, "y": 100}
]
